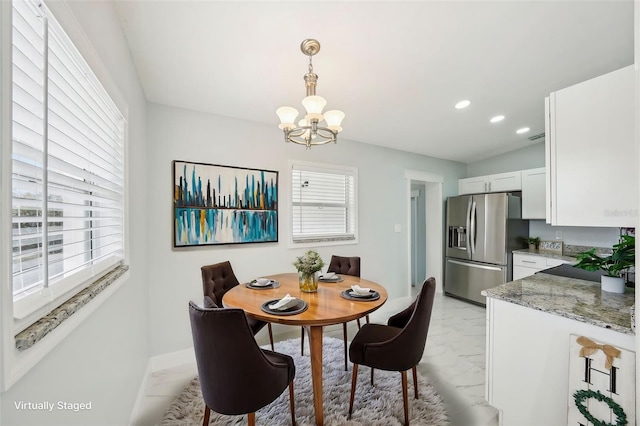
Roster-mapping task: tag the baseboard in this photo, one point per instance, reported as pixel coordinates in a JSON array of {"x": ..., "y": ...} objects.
[{"x": 172, "y": 359}]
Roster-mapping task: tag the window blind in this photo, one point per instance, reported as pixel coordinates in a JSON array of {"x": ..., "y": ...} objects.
[
  {"x": 67, "y": 160},
  {"x": 323, "y": 203}
]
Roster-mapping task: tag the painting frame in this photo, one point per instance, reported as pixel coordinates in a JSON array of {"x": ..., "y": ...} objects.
[{"x": 215, "y": 204}]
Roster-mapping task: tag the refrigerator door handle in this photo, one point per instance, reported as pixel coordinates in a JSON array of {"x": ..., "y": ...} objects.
[
  {"x": 472, "y": 231},
  {"x": 468, "y": 227},
  {"x": 473, "y": 265}
]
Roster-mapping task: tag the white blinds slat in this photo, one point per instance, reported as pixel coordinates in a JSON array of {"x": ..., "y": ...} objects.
[{"x": 84, "y": 158}]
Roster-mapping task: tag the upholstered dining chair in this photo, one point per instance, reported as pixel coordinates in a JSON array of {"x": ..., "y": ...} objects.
[
  {"x": 236, "y": 375},
  {"x": 345, "y": 266},
  {"x": 397, "y": 346},
  {"x": 219, "y": 278}
]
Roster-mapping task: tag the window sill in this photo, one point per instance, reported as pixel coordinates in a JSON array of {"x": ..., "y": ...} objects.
[
  {"x": 321, "y": 243},
  {"x": 35, "y": 332}
]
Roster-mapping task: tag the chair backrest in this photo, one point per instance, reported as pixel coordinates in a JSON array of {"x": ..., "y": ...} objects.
[
  {"x": 235, "y": 375},
  {"x": 409, "y": 344},
  {"x": 217, "y": 279},
  {"x": 345, "y": 265},
  {"x": 405, "y": 350}
]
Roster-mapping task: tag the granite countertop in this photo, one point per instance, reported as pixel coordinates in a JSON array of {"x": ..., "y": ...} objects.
[
  {"x": 547, "y": 254},
  {"x": 570, "y": 298},
  {"x": 569, "y": 252}
]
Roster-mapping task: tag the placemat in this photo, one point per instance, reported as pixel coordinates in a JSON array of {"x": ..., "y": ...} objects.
[{"x": 374, "y": 296}]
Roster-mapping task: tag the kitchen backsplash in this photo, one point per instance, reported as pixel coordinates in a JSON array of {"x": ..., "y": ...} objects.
[{"x": 575, "y": 235}]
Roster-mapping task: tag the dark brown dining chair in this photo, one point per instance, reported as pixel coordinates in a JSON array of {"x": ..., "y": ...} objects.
[
  {"x": 397, "y": 346},
  {"x": 344, "y": 266},
  {"x": 219, "y": 278},
  {"x": 236, "y": 375}
]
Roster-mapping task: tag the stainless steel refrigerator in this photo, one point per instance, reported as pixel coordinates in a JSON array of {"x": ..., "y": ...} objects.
[{"x": 482, "y": 230}]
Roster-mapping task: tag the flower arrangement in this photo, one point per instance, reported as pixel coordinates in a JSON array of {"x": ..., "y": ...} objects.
[{"x": 309, "y": 263}]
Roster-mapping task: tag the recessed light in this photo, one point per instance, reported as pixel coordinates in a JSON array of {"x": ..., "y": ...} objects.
[
  {"x": 523, "y": 130},
  {"x": 497, "y": 118},
  {"x": 462, "y": 104}
]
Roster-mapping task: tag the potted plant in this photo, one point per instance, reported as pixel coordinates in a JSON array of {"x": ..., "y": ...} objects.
[
  {"x": 534, "y": 243},
  {"x": 308, "y": 266},
  {"x": 614, "y": 265}
]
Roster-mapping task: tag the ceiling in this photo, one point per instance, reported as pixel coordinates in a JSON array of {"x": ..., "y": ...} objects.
[{"x": 396, "y": 68}]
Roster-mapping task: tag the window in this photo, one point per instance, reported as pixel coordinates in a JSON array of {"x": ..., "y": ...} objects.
[
  {"x": 323, "y": 203},
  {"x": 67, "y": 168}
]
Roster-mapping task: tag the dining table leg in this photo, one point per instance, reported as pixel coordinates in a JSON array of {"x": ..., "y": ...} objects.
[{"x": 315, "y": 343}]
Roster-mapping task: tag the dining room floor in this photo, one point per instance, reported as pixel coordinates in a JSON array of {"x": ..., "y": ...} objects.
[{"x": 453, "y": 362}]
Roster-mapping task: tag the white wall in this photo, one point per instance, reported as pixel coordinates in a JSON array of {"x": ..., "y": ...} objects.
[
  {"x": 174, "y": 276},
  {"x": 529, "y": 157},
  {"x": 104, "y": 359}
]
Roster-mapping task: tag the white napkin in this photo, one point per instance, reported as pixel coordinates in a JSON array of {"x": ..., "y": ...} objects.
[
  {"x": 284, "y": 303},
  {"x": 361, "y": 291},
  {"x": 328, "y": 276},
  {"x": 262, "y": 282}
]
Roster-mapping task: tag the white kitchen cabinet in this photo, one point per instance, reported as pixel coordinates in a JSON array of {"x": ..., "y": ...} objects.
[
  {"x": 525, "y": 265},
  {"x": 528, "y": 360},
  {"x": 500, "y": 182},
  {"x": 591, "y": 154},
  {"x": 534, "y": 192}
]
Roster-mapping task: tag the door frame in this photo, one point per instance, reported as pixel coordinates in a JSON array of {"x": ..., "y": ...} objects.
[{"x": 434, "y": 218}]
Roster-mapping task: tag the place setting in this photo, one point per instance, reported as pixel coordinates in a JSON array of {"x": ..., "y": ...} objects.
[
  {"x": 330, "y": 277},
  {"x": 288, "y": 305},
  {"x": 263, "y": 284},
  {"x": 360, "y": 293}
]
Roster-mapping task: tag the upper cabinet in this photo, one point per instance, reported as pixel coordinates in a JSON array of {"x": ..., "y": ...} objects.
[
  {"x": 591, "y": 154},
  {"x": 500, "y": 182},
  {"x": 534, "y": 193}
]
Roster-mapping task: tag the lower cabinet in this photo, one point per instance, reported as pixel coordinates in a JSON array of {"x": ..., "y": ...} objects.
[
  {"x": 525, "y": 265},
  {"x": 528, "y": 359}
]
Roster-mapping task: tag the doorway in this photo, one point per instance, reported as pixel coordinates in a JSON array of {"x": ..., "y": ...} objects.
[{"x": 424, "y": 228}]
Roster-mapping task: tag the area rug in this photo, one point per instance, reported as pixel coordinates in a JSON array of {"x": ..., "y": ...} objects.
[{"x": 380, "y": 404}]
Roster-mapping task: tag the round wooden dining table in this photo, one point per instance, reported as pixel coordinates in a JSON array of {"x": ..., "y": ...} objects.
[{"x": 325, "y": 307}]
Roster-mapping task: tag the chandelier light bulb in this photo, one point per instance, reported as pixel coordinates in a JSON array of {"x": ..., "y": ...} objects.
[
  {"x": 334, "y": 119},
  {"x": 287, "y": 117},
  {"x": 314, "y": 106}
]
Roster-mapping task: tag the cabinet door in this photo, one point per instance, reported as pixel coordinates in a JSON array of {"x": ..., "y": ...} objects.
[
  {"x": 520, "y": 272},
  {"x": 534, "y": 193},
  {"x": 505, "y": 182},
  {"x": 593, "y": 156},
  {"x": 474, "y": 185}
]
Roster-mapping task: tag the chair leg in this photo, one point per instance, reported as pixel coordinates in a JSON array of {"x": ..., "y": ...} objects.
[
  {"x": 292, "y": 406},
  {"x": 354, "y": 377},
  {"x": 344, "y": 333},
  {"x": 367, "y": 319},
  {"x": 301, "y": 341},
  {"x": 270, "y": 335},
  {"x": 251, "y": 419},
  {"x": 404, "y": 397},
  {"x": 372, "y": 375},
  {"x": 358, "y": 321},
  {"x": 207, "y": 412},
  {"x": 415, "y": 381}
]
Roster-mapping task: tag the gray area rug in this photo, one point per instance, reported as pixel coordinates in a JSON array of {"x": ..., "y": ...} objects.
[{"x": 377, "y": 405}]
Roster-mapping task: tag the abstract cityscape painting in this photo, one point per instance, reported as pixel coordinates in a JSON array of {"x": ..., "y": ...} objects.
[{"x": 215, "y": 204}]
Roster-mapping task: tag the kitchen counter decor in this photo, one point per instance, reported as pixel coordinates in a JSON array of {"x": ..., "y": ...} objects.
[{"x": 614, "y": 265}]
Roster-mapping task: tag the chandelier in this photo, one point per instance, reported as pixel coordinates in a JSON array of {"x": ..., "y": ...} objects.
[{"x": 311, "y": 130}]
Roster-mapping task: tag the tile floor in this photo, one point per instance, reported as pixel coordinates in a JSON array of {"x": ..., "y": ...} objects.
[{"x": 454, "y": 361}]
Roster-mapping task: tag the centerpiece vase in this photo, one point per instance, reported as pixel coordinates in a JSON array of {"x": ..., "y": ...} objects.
[{"x": 308, "y": 282}]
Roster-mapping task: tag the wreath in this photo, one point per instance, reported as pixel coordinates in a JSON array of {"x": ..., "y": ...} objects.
[{"x": 582, "y": 395}]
